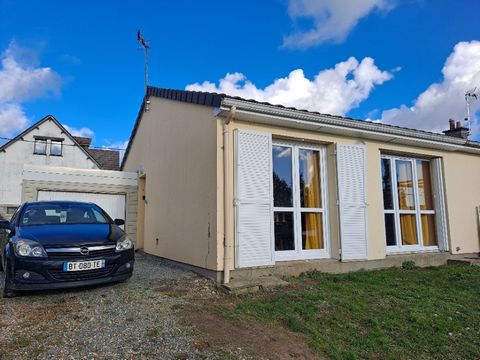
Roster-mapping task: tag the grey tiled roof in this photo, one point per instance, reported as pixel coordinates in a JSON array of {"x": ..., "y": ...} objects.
[{"x": 107, "y": 159}]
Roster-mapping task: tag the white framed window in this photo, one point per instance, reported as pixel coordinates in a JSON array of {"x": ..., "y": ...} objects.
[
  {"x": 408, "y": 202},
  {"x": 299, "y": 201}
]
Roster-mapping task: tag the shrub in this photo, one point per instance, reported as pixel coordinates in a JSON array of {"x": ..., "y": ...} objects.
[{"x": 408, "y": 265}]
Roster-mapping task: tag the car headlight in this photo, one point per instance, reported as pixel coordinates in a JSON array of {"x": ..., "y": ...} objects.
[
  {"x": 124, "y": 243},
  {"x": 29, "y": 248}
]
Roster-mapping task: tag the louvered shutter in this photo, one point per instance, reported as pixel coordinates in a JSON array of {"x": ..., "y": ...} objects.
[
  {"x": 352, "y": 201},
  {"x": 439, "y": 203},
  {"x": 254, "y": 242}
]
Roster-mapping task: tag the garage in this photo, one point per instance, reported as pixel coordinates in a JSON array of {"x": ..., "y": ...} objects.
[
  {"x": 113, "y": 204},
  {"x": 114, "y": 191}
]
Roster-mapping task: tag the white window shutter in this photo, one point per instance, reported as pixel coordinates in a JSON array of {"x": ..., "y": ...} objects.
[
  {"x": 439, "y": 203},
  {"x": 352, "y": 201},
  {"x": 253, "y": 170}
]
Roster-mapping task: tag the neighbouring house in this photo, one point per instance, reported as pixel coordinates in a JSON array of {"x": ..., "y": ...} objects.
[
  {"x": 46, "y": 162},
  {"x": 228, "y": 184}
]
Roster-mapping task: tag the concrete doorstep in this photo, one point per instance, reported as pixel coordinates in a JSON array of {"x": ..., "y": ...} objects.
[
  {"x": 467, "y": 260},
  {"x": 248, "y": 286}
]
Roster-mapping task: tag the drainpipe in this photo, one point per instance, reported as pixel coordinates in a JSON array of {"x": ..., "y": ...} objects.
[{"x": 226, "y": 200}]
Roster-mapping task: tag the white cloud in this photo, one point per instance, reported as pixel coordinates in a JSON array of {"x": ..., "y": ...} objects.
[
  {"x": 84, "y": 131},
  {"x": 335, "y": 91},
  {"x": 446, "y": 99},
  {"x": 12, "y": 119},
  {"x": 332, "y": 20},
  {"x": 21, "y": 79},
  {"x": 22, "y": 82}
]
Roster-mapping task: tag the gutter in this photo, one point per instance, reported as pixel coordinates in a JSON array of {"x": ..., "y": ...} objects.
[
  {"x": 228, "y": 242},
  {"x": 350, "y": 127}
]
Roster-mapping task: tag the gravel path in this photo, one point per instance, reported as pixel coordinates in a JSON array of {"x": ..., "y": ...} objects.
[{"x": 133, "y": 320}]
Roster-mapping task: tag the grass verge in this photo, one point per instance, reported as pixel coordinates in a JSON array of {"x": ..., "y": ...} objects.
[{"x": 385, "y": 314}]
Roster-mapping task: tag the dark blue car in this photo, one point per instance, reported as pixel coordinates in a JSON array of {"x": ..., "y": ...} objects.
[{"x": 63, "y": 244}]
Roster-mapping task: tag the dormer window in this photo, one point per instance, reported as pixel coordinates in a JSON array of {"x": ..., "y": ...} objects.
[
  {"x": 56, "y": 148},
  {"x": 40, "y": 147}
]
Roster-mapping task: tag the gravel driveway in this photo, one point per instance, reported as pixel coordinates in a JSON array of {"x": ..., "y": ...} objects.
[{"x": 137, "y": 319}]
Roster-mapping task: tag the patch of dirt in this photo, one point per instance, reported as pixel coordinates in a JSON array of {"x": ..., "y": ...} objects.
[
  {"x": 163, "y": 312},
  {"x": 263, "y": 342}
]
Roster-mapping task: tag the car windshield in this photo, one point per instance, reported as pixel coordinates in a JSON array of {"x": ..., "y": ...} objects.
[{"x": 63, "y": 214}]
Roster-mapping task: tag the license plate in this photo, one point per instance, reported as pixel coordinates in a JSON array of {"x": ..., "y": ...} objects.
[{"x": 83, "y": 265}]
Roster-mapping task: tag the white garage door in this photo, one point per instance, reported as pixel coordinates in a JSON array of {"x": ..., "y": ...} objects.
[{"x": 114, "y": 205}]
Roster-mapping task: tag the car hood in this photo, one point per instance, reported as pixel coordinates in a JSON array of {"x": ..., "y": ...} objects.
[{"x": 49, "y": 235}]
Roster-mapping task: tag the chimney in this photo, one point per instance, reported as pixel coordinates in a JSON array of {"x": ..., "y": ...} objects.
[
  {"x": 456, "y": 130},
  {"x": 452, "y": 124},
  {"x": 84, "y": 142}
]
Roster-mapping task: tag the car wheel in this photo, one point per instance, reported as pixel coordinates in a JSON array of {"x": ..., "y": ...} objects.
[
  {"x": 7, "y": 291},
  {"x": 2, "y": 261}
]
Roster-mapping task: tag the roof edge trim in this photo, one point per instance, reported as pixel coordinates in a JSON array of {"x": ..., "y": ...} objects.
[{"x": 348, "y": 124}]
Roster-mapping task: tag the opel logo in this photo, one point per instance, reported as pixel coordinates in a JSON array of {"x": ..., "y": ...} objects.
[{"x": 84, "y": 251}]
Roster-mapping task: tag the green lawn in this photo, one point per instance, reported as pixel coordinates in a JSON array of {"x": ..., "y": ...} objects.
[{"x": 386, "y": 314}]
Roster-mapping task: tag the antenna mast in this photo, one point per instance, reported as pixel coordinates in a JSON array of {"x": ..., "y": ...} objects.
[
  {"x": 469, "y": 97},
  {"x": 146, "y": 46}
]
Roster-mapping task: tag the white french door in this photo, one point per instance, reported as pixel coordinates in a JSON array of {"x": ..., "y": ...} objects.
[
  {"x": 299, "y": 201},
  {"x": 409, "y": 210}
]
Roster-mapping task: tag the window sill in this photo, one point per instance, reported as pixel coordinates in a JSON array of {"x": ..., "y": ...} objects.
[
  {"x": 299, "y": 256},
  {"x": 431, "y": 249}
]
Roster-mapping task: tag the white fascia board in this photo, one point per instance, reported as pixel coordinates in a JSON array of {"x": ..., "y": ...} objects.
[
  {"x": 272, "y": 115},
  {"x": 87, "y": 176}
]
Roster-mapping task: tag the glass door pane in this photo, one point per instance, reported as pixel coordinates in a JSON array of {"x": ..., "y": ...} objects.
[
  {"x": 387, "y": 184},
  {"x": 284, "y": 231},
  {"x": 425, "y": 197},
  {"x": 282, "y": 176},
  {"x": 309, "y": 168},
  {"x": 406, "y": 198},
  {"x": 391, "y": 238},
  {"x": 312, "y": 231},
  {"x": 428, "y": 230},
  {"x": 408, "y": 225}
]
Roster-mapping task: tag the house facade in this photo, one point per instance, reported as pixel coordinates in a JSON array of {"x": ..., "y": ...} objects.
[
  {"x": 46, "y": 162},
  {"x": 228, "y": 184}
]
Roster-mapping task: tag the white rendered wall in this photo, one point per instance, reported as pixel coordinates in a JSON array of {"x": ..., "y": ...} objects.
[{"x": 20, "y": 153}]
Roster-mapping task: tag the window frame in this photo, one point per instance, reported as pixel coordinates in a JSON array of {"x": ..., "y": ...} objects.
[
  {"x": 299, "y": 253},
  {"x": 8, "y": 209},
  {"x": 45, "y": 141},
  {"x": 396, "y": 211},
  {"x": 58, "y": 142}
]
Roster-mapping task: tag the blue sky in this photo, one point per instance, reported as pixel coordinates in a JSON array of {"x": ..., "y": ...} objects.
[{"x": 373, "y": 59}]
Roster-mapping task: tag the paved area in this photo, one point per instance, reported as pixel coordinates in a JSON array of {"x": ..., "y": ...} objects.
[{"x": 138, "y": 319}]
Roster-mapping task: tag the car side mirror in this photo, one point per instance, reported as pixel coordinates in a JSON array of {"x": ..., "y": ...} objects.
[
  {"x": 119, "y": 222},
  {"x": 5, "y": 225}
]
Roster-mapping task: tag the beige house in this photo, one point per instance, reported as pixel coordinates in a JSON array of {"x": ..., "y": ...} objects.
[{"x": 229, "y": 185}]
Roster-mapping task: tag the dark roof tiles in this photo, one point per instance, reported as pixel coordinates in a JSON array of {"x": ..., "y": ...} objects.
[
  {"x": 215, "y": 100},
  {"x": 107, "y": 159}
]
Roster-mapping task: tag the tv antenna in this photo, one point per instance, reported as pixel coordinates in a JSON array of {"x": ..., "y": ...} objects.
[
  {"x": 146, "y": 46},
  {"x": 471, "y": 95}
]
